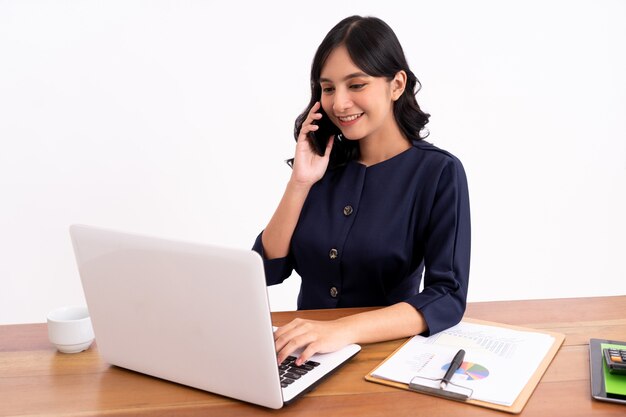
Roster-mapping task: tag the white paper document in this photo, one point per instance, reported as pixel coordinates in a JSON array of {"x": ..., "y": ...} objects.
[{"x": 498, "y": 361}]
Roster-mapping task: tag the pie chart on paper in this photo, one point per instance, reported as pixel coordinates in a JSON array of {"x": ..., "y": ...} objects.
[{"x": 469, "y": 371}]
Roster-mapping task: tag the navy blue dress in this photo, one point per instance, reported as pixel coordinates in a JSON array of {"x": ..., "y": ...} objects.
[{"x": 367, "y": 235}]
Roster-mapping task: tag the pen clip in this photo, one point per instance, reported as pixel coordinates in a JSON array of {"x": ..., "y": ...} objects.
[{"x": 454, "y": 366}]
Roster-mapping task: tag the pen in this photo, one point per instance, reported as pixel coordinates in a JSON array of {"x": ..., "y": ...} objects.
[{"x": 454, "y": 365}]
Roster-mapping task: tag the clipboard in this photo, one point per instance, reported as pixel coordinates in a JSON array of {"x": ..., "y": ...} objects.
[{"x": 521, "y": 399}]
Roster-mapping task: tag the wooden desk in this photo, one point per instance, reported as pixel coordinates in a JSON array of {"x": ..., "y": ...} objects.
[{"x": 35, "y": 380}]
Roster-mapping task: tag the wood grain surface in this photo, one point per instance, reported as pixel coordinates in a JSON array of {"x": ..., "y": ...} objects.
[{"x": 36, "y": 380}]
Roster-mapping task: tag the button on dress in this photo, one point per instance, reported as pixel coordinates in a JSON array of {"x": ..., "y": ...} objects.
[{"x": 371, "y": 234}]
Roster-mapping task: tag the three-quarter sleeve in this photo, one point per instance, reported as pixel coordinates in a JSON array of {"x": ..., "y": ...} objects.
[
  {"x": 446, "y": 252},
  {"x": 276, "y": 270}
]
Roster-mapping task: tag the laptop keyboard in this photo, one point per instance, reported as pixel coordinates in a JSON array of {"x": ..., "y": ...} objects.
[{"x": 290, "y": 372}]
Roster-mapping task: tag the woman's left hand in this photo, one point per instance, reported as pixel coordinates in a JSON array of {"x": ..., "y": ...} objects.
[{"x": 311, "y": 335}]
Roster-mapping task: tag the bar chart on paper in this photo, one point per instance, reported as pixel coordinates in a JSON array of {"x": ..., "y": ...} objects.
[{"x": 478, "y": 340}]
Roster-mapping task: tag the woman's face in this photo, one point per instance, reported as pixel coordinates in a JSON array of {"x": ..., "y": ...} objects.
[{"x": 359, "y": 104}]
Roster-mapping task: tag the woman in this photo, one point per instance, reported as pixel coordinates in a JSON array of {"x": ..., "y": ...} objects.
[{"x": 366, "y": 214}]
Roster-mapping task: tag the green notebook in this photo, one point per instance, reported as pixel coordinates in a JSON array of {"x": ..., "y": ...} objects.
[{"x": 613, "y": 384}]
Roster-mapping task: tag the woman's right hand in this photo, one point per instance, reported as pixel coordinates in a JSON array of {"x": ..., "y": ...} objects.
[{"x": 308, "y": 166}]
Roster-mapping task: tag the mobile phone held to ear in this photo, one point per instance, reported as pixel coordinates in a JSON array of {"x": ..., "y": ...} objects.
[{"x": 319, "y": 139}]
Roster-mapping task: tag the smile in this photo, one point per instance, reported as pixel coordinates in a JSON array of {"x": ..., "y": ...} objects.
[{"x": 348, "y": 119}]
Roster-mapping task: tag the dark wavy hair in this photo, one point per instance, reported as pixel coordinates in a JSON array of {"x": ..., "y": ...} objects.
[{"x": 375, "y": 49}]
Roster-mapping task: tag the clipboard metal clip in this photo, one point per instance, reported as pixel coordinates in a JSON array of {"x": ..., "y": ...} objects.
[{"x": 431, "y": 386}]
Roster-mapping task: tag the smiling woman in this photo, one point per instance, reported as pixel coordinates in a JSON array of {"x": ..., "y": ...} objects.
[
  {"x": 362, "y": 106},
  {"x": 369, "y": 47},
  {"x": 363, "y": 218}
]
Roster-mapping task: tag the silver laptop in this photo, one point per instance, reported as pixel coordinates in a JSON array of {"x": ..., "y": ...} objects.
[{"x": 189, "y": 313}]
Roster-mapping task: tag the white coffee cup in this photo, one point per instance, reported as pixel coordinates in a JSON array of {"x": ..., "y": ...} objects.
[{"x": 69, "y": 329}]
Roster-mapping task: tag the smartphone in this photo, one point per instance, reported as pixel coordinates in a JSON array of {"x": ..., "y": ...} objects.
[{"x": 319, "y": 139}]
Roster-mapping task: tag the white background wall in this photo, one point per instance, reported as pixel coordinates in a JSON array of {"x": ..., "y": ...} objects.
[{"x": 173, "y": 118}]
